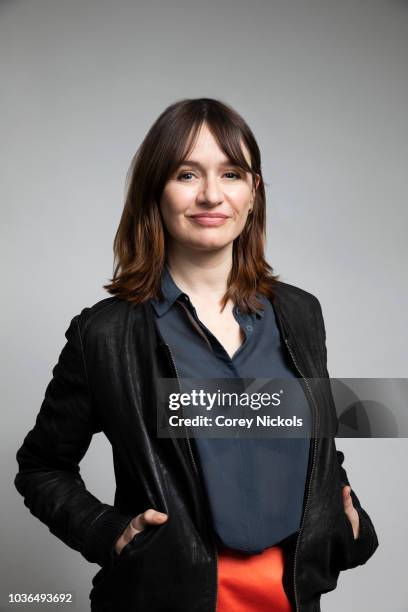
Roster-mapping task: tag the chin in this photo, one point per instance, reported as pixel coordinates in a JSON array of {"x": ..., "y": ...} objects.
[{"x": 208, "y": 245}]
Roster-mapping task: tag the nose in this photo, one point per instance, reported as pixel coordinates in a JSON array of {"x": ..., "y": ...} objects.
[{"x": 211, "y": 194}]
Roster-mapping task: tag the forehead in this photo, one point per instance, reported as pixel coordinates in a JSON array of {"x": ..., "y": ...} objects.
[{"x": 206, "y": 146}]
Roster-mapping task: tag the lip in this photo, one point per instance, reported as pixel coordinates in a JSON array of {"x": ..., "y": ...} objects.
[
  {"x": 210, "y": 215},
  {"x": 209, "y": 220}
]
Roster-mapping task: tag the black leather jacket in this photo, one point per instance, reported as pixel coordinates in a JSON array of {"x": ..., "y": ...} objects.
[{"x": 104, "y": 381}]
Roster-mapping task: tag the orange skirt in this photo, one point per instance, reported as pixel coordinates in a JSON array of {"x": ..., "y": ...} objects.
[{"x": 251, "y": 583}]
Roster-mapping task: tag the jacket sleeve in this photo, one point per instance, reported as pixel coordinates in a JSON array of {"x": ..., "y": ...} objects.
[
  {"x": 363, "y": 547},
  {"x": 48, "y": 472}
]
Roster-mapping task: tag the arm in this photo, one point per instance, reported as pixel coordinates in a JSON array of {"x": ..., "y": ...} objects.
[
  {"x": 49, "y": 476},
  {"x": 366, "y": 544}
]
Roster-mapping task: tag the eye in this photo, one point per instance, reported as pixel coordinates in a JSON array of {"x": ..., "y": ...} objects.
[
  {"x": 183, "y": 174},
  {"x": 235, "y": 174}
]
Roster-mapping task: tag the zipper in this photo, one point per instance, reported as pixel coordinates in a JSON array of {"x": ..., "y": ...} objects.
[
  {"x": 315, "y": 420},
  {"x": 215, "y": 549}
]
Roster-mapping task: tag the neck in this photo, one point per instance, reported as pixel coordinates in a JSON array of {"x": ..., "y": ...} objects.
[{"x": 200, "y": 273}]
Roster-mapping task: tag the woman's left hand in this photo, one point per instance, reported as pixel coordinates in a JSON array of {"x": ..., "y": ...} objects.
[{"x": 350, "y": 510}]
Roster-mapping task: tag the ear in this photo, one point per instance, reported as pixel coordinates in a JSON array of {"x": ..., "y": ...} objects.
[{"x": 257, "y": 181}]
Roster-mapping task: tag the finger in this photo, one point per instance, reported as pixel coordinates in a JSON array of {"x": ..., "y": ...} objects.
[
  {"x": 148, "y": 517},
  {"x": 347, "y": 491},
  {"x": 152, "y": 516},
  {"x": 347, "y": 499}
]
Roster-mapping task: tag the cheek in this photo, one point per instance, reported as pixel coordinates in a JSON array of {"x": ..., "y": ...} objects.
[
  {"x": 174, "y": 203},
  {"x": 172, "y": 211},
  {"x": 240, "y": 199}
]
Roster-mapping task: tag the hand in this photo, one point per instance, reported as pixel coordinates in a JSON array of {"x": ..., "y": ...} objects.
[
  {"x": 350, "y": 510},
  {"x": 137, "y": 524}
]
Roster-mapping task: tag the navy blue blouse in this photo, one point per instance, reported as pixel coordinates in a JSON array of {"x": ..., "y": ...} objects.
[{"x": 255, "y": 486}]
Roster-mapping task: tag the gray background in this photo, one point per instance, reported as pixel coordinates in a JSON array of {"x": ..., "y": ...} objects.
[{"x": 323, "y": 84}]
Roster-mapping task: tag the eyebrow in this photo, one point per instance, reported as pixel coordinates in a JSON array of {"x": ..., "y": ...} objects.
[{"x": 196, "y": 164}]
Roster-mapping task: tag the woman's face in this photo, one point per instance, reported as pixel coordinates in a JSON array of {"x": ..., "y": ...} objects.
[{"x": 207, "y": 185}]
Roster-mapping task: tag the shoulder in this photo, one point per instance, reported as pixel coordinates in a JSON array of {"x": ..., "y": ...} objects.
[
  {"x": 108, "y": 316},
  {"x": 300, "y": 310},
  {"x": 293, "y": 297}
]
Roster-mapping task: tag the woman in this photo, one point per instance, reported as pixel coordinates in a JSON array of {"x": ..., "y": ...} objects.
[{"x": 192, "y": 293}]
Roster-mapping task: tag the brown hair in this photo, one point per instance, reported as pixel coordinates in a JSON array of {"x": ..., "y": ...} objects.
[{"x": 140, "y": 241}]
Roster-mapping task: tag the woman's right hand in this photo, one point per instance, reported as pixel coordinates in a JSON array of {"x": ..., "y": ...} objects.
[{"x": 137, "y": 524}]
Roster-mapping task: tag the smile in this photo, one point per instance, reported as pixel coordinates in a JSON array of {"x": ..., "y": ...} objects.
[{"x": 209, "y": 221}]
